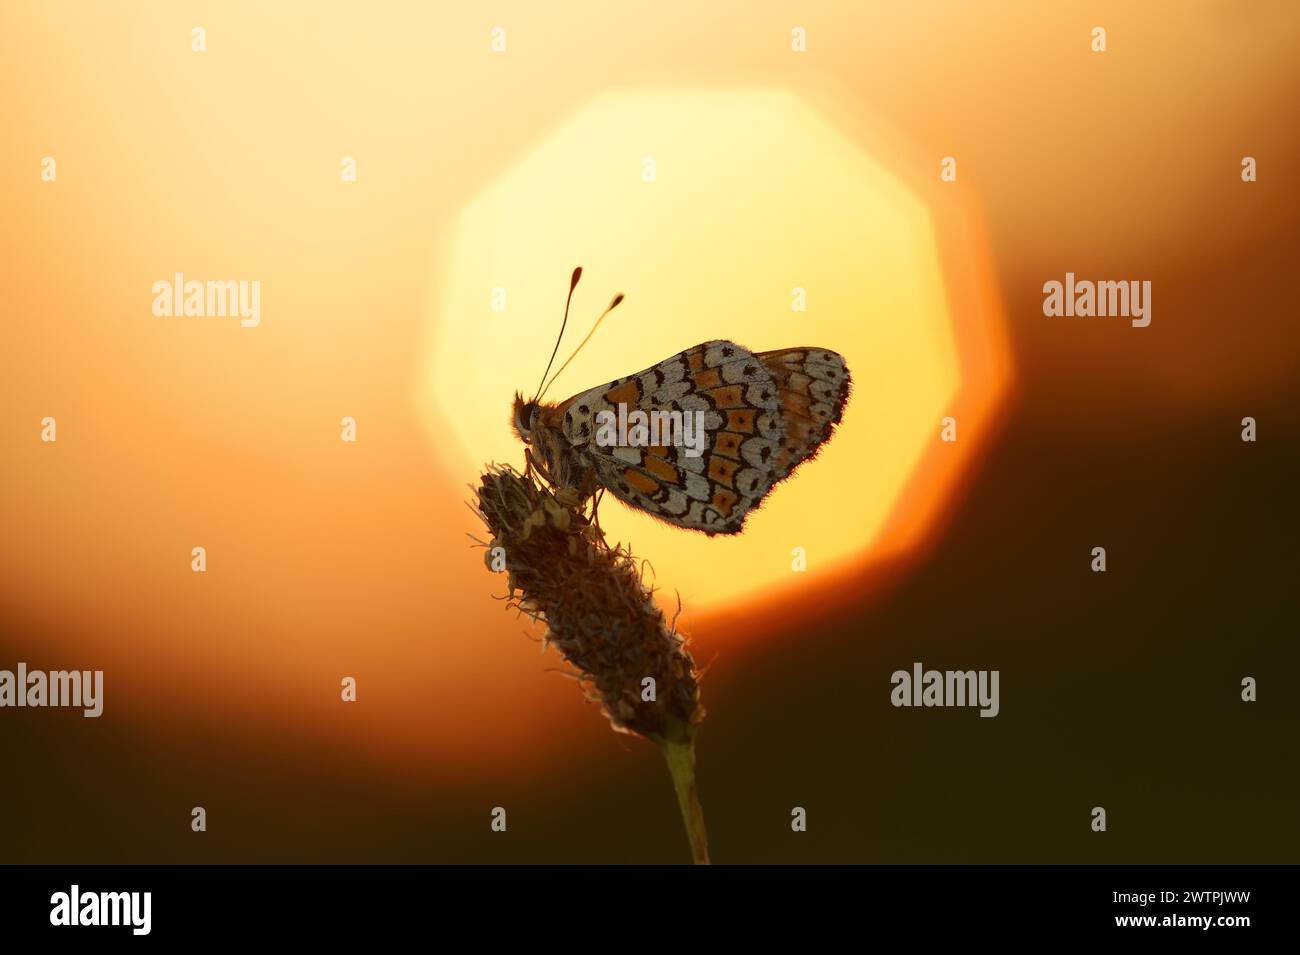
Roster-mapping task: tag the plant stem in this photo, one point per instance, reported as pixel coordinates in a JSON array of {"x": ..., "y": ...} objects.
[{"x": 680, "y": 756}]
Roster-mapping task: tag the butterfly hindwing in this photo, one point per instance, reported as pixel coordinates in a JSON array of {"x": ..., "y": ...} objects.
[
  {"x": 813, "y": 387},
  {"x": 762, "y": 416}
]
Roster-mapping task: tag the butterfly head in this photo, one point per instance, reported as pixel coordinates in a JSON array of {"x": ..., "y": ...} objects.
[{"x": 524, "y": 417}]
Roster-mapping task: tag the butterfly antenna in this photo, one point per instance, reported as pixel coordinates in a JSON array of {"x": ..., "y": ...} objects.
[
  {"x": 573, "y": 283},
  {"x": 615, "y": 303}
]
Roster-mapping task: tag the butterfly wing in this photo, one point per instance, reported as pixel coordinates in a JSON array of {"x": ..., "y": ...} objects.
[
  {"x": 763, "y": 415},
  {"x": 813, "y": 387}
]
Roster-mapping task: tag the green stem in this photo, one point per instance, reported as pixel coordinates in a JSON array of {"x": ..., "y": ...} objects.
[{"x": 680, "y": 756}]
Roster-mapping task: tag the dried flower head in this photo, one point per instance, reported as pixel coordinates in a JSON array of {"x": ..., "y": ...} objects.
[{"x": 597, "y": 609}]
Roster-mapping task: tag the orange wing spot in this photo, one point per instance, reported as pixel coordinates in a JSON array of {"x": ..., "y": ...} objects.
[
  {"x": 661, "y": 469},
  {"x": 798, "y": 382},
  {"x": 724, "y": 501},
  {"x": 730, "y": 397},
  {"x": 628, "y": 393},
  {"x": 642, "y": 482},
  {"x": 695, "y": 360},
  {"x": 799, "y": 430},
  {"x": 796, "y": 403},
  {"x": 708, "y": 379},
  {"x": 727, "y": 444},
  {"x": 722, "y": 470},
  {"x": 741, "y": 420},
  {"x": 658, "y": 450}
]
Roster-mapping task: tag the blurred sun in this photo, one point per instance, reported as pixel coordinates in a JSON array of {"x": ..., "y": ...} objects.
[{"x": 732, "y": 214}]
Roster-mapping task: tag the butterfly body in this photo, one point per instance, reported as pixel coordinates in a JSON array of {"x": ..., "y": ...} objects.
[{"x": 744, "y": 422}]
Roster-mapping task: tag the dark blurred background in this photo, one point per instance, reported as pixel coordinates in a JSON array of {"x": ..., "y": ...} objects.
[{"x": 1119, "y": 689}]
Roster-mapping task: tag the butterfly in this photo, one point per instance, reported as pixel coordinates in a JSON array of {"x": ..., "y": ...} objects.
[{"x": 697, "y": 440}]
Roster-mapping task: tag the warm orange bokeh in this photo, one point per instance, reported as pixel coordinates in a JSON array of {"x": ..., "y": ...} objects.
[
  {"x": 718, "y": 213},
  {"x": 328, "y": 559}
]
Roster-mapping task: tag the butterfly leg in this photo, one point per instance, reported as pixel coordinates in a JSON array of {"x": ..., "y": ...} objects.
[
  {"x": 592, "y": 489},
  {"x": 534, "y": 464}
]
